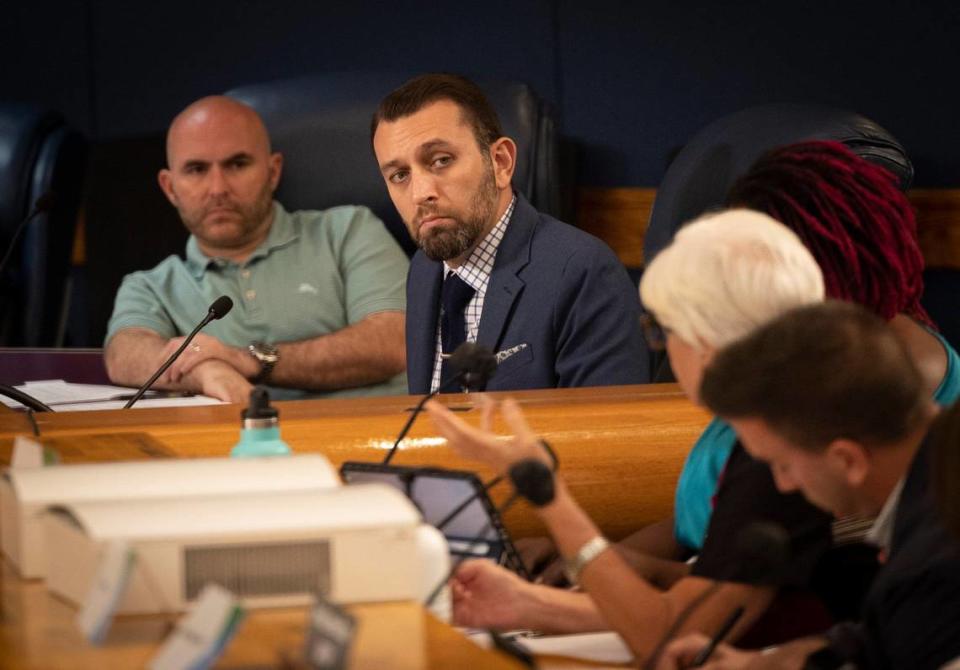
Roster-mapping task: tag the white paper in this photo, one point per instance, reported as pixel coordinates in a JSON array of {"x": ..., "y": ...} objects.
[
  {"x": 603, "y": 648},
  {"x": 108, "y": 585},
  {"x": 597, "y": 647},
  {"x": 64, "y": 396},
  {"x": 202, "y": 634}
]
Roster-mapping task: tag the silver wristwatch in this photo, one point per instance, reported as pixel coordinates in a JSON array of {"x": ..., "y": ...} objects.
[{"x": 267, "y": 355}]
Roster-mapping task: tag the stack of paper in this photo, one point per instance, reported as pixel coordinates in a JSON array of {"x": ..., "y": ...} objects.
[{"x": 67, "y": 397}]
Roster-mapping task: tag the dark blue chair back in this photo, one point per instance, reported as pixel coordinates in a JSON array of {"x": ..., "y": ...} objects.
[
  {"x": 701, "y": 174},
  {"x": 39, "y": 155}
]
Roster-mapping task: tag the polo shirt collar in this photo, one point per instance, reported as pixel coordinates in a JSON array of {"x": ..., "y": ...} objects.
[{"x": 283, "y": 231}]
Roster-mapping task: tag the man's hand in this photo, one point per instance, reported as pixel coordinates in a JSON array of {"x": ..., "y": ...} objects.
[
  {"x": 206, "y": 348},
  {"x": 218, "y": 380},
  {"x": 486, "y": 595},
  {"x": 482, "y": 445}
]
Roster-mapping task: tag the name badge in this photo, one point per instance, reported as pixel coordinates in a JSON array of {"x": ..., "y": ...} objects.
[{"x": 330, "y": 634}]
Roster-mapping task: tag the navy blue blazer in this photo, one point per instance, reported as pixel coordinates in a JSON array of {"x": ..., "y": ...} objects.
[{"x": 556, "y": 294}]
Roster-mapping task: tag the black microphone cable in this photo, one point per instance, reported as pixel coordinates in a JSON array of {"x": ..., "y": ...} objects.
[
  {"x": 525, "y": 480},
  {"x": 764, "y": 550},
  {"x": 474, "y": 365},
  {"x": 42, "y": 204},
  {"x": 479, "y": 539},
  {"x": 219, "y": 309}
]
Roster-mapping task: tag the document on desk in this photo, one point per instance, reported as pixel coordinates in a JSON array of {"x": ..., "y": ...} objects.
[
  {"x": 64, "y": 396},
  {"x": 604, "y": 649}
]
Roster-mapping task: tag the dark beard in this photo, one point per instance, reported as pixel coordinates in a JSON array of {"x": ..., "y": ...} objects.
[{"x": 445, "y": 245}]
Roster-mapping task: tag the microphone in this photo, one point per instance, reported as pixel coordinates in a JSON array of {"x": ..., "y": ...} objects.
[
  {"x": 763, "y": 549},
  {"x": 474, "y": 365},
  {"x": 42, "y": 204},
  {"x": 219, "y": 309},
  {"x": 534, "y": 481}
]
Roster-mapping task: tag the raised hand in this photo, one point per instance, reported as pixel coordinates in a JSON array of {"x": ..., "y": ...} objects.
[{"x": 481, "y": 444}]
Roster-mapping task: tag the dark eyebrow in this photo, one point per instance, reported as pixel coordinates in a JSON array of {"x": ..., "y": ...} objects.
[
  {"x": 194, "y": 163},
  {"x": 425, "y": 148},
  {"x": 432, "y": 145},
  {"x": 240, "y": 155}
]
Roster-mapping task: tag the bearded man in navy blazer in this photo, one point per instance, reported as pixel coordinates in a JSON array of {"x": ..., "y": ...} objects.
[{"x": 553, "y": 302}]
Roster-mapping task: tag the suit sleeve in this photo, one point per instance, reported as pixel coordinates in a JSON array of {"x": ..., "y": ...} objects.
[
  {"x": 916, "y": 623},
  {"x": 597, "y": 320}
]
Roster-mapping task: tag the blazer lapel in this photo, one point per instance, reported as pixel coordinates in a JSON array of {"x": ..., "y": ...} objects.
[{"x": 505, "y": 286}]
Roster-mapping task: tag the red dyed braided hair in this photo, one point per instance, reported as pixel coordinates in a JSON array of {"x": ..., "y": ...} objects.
[{"x": 850, "y": 214}]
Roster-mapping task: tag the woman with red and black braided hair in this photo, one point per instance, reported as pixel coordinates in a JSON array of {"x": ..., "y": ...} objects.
[{"x": 862, "y": 231}]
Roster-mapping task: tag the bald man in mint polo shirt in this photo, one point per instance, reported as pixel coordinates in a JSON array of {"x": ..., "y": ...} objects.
[{"x": 318, "y": 295}]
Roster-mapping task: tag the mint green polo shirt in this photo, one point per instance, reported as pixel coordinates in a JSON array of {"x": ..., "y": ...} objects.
[{"x": 315, "y": 273}]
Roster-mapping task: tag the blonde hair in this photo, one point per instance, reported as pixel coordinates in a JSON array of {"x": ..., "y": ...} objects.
[{"x": 726, "y": 274}]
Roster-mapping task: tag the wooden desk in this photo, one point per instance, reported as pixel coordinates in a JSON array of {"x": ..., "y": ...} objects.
[
  {"x": 38, "y": 633},
  {"x": 620, "y": 449}
]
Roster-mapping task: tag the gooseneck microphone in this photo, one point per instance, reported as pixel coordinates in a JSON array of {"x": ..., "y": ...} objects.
[
  {"x": 474, "y": 365},
  {"x": 42, "y": 204},
  {"x": 219, "y": 309},
  {"x": 763, "y": 548}
]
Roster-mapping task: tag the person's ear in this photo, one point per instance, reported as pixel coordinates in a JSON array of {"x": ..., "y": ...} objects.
[
  {"x": 165, "y": 179},
  {"x": 275, "y": 169},
  {"x": 849, "y": 459},
  {"x": 503, "y": 154}
]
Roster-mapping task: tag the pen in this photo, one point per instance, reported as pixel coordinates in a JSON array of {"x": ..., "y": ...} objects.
[{"x": 725, "y": 629}]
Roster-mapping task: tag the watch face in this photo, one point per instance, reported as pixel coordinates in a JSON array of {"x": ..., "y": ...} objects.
[{"x": 265, "y": 353}]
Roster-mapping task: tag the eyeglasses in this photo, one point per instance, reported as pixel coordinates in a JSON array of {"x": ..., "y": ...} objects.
[{"x": 654, "y": 334}]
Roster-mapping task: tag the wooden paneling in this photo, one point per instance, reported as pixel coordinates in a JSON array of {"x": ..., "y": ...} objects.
[
  {"x": 938, "y": 225},
  {"x": 619, "y": 216}
]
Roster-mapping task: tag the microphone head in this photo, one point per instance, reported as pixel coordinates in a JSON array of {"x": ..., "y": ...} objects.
[
  {"x": 475, "y": 364},
  {"x": 220, "y": 307},
  {"x": 533, "y": 480},
  {"x": 763, "y": 550}
]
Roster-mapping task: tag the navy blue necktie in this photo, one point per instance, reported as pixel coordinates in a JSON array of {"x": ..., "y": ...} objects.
[{"x": 454, "y": 297}]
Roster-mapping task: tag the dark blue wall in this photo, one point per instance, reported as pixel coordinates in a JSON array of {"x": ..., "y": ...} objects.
[{"x": 632, "y": 80}]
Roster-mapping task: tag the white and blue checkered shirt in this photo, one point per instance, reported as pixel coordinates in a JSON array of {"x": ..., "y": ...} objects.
[{"x": 475, "y": 272}]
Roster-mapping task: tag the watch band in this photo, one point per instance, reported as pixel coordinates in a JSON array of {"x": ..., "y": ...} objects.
[
  {"x": 585, "y": 555},
  {"x": 267, "y": 355}
]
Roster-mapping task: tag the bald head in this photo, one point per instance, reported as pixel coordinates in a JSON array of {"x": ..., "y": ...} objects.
[
  {"x": 221, "y": 175},
  {"x": 211, "y": 116}
]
